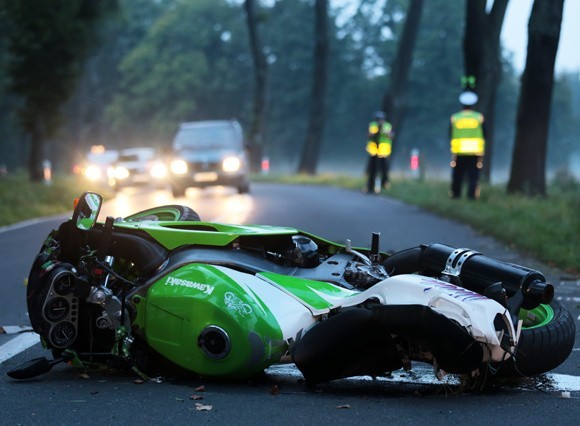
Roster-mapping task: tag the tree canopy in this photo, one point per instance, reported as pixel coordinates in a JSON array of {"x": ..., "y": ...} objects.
[
  {"x": 45, "y": 44},
  {"x": 162, "y": 62}
]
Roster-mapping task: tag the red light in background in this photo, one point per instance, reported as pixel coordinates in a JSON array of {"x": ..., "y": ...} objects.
[
  {"x": 414, "y": 159},
  {"x": 265, "y": 164}
]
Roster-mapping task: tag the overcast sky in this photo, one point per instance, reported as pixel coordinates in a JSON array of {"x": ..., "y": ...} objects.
[{"x": 515, "y": 34}]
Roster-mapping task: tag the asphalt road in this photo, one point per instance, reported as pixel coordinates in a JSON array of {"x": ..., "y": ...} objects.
[{"x": 69, "y": 396}]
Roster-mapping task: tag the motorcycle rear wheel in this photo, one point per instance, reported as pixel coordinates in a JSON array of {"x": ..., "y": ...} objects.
[
  {"x": 546, "y": 340},
  {"x": 168, "y": 212}
]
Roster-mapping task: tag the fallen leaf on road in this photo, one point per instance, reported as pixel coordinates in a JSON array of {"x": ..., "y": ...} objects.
[
  {"x": 196, "y": 397},
  {"x": 343, "y": 406},
  {"x": 200, "y": 388},
  {"x": 201, "y": 407},
  {"x": 275, "y": 390},
  {"x": 138, "y": 381}
]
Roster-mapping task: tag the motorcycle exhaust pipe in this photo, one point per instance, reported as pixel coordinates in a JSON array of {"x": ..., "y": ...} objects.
[
  {"x": 538, "y": 291},
  {"x": 476, "y": 271}
]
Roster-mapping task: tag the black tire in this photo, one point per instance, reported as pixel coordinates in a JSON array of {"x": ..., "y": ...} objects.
[
  {"x": 169, "y": 212},
  {"x": 546, "y": 340}
]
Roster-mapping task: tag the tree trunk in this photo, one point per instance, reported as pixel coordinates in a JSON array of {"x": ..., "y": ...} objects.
[
  {"x": 395, "y": 102},
  {"x": 37, "y": 151},
  {"x": 258, "y": 121},
  {"x": 313, "y": 143},
  {"x": 528, "y": 171},
  {"x": 481, "y": 49}
]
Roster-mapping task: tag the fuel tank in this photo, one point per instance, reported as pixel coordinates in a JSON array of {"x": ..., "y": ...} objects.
[{"x": 216, "y": 321}]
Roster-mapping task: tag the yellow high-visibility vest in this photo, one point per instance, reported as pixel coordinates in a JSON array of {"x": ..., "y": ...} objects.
[
  {"x": 467, "y": 133},
  {"x": 380, "y": 142}
]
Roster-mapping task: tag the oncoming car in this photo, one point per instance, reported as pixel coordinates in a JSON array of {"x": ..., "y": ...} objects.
[
  {"x": 97, "y": 163},
  {"x": 208, "y": 153},
  {"x": 136, "y": 166}
]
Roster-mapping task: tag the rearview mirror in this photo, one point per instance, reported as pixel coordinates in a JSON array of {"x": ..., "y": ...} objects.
[{"x": 87, "y": 210}]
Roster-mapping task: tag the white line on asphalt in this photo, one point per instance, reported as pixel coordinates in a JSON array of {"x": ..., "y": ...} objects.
[
  {"x": 19, "y": 344},
  {"x": 31, "y": 222}
]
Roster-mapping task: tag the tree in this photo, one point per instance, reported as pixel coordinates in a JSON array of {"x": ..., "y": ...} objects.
[
  {"x": 84, "y": 113},
  {"x": 193, "y": 64},
  {"x": 433, "y": 84},
  {"x": 481, "y": 51},
  {"x": 47, "y": 42},
  {"x": 528, "y": 171},
  {"x": 394, "y": 101},
  {"x": 313, "y": 143},
  {"x": 258, "y": 120}
]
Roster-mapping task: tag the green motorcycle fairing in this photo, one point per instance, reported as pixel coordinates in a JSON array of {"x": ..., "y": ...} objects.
[
  {"x": 172, "y": 234},
  {"x": 175, "y": 234},
  {"x": 216, "y": 321}
]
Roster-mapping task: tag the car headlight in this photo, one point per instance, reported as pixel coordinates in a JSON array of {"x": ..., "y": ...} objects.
[
  {"x": 231, "y": 164},
  {"x": 158, "y": 171},
  {"x": 178, "y": 167},
  {"x": 121, "y": 173},
  {"x": 93, "y": 172}
]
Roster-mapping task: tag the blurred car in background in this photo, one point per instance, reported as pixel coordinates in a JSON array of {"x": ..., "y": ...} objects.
[
  {"x": 137, "y": 166},
  {"x": 208, "y": 153},
  {"x": 96, "y": 164}
]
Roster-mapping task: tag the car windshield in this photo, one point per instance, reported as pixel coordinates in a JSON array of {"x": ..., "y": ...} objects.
[
  {"x": 106, "y": 157},
  {"x": 210, "y": 137}
]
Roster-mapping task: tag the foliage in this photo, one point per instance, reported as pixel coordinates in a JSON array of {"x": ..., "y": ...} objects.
[
  {"x": 117, "y": 36},
  {"x": 167, "y": 78},
  {"x": 46, "y": 41},
  {"x": 23, "y": 200},
  {"x": 159, "y": 62}
]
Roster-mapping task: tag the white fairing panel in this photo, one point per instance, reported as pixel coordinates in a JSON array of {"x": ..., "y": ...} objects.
[
  {"x": 474, "y": 312},
  {"x": 292, "y": 316}
]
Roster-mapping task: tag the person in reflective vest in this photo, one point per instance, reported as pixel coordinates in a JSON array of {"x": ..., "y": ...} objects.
[
  {"x": 379, "y": 146},
  {"x": 467, "y": 134}
]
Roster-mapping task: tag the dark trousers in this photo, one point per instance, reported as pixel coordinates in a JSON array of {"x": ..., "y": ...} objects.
[
  {"x": 465, "y": 168},
  {"x": 374, "y": 164}
]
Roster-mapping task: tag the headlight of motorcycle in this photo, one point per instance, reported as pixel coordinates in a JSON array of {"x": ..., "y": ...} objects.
[
  {"x": 121, "y": 173},
  {"x": 178, "y": 167},
  {"x": 158, "y": 170},
  {"x": 231, "y": 164},
  {"x": 93, "y": 172}
]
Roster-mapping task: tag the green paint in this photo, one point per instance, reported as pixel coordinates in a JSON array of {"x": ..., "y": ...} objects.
[
  {"x": 175, "y": 234},
  {"x": 179, "y": 306},
  {"x": 537, "y": 317},
  {"x": 311, "y": 293}
]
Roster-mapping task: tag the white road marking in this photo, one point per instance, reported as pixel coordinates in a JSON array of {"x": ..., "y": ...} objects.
[
  {"x": 19, "y": 344},
  {"x": 30, "y": 222},
  {"x": 14, "y": 329}
]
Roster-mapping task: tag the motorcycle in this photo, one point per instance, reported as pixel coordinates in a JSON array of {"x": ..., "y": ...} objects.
[{"x": 223, "y": 300}]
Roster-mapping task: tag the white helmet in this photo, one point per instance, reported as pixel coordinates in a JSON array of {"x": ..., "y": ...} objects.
[{"x": 468, "y": 98}]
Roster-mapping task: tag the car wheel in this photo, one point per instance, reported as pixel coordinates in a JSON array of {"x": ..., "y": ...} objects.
[
  {"x": 178, "y": 191},
  {"x": 244, "y": 188}
]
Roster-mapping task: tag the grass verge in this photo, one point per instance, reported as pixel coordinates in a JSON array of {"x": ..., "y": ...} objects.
[
  {"x": 21, "y": 199},
  {"x": 546, "y": 228}
]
